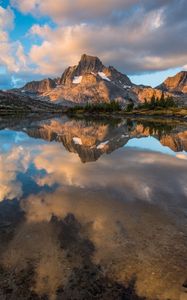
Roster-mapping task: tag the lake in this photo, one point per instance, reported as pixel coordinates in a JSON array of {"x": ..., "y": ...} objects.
[{"x": 93, "y": 209}]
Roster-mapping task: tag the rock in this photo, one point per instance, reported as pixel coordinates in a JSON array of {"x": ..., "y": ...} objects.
[
  {"x": 39, "y": 86},
  {"x": 176, "y": 84},
  {"x": 143, "y": 93},
  {"x": 183, "y": 295},
  {"x": 68, "y": 75},
  {"x": 12, "y": 102},
  {"x": 89, "y": 64},
  {"x": 91, "y": 81}
]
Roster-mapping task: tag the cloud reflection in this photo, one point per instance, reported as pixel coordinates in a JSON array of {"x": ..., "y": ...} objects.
[
  {"x": 131, "y": 205},
  {"x": 11, "y": 163}
]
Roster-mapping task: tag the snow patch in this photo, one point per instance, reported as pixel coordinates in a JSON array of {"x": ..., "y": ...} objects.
[
  {"x": 77, "y": 79},
  {"x": 103, "y": 76},
  {"x": 102, "y": 145},
  {"x": 124, "y": 136},
  {"x": 77, "y": 141}
]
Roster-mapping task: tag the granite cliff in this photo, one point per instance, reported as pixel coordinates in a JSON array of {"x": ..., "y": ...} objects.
[
  {"x": 175, "y": 84},
  {"x": 90, "y": 81}
]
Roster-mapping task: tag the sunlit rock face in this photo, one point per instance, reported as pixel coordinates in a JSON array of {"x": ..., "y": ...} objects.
[
  {"x": 147, "y": 93},
  {"x": 91, "y": 81},
  {"x": 92, "y": 65},
  {"x": 87, "y": 65},
  {"x": 42, "y": 86},
  {"x": 177, "y": 83}
]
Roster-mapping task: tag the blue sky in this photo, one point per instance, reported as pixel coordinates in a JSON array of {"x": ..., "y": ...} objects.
[{"x": 40, "y": 39}]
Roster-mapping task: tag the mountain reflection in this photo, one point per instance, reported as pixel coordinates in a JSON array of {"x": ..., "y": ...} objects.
[
  {"x": 112, "y": 229},
  {"x": 91, "y": 139}
]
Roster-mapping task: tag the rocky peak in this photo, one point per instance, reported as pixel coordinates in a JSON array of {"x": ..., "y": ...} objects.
[
  {"x": 39, "y": 86},
  {"x": 117, "y": 77},
  {"x": 88, "y": 64},
  {"x": 177, "y": 83},
  {"x": 68, "y": 75},
  {"x": 92, "y": 65}
]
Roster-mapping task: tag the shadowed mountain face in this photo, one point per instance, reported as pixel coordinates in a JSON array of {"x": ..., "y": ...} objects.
[
  {"x": 21, "y": 103},
  {"x": 91, "y": 139}
]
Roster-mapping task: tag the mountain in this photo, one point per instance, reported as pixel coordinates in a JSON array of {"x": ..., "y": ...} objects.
[
  {"x": 11, "y": 102},
  {"x": 93, "y": 66},
  {"x": 175, "y": 84},
  {"x": 41, "y": 86},
  {"x": 89, "y": 81}
]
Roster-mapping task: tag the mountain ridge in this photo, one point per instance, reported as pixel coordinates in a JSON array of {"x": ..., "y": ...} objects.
[
  {"x": 91, "y": 81},
  {"x": 176, "y": 83}
]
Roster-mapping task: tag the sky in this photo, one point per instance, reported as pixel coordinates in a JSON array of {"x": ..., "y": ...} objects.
[{"x": 145, "y": 39}]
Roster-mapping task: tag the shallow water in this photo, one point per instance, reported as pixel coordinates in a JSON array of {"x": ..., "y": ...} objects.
[{"x": 92, "y": 209}]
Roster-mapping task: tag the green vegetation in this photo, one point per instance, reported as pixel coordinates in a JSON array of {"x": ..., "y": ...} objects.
[
  {"x": 155, "y": 103},
  {"x": 129, "y": 107},
  {"x": 113, "y": 106},
  {"x": 163, "y": 107}
]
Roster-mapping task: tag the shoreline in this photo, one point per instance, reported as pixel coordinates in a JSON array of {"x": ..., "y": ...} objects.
[
  {"x": 153, "y": 114},
  {"x": 171, "y": 114}
]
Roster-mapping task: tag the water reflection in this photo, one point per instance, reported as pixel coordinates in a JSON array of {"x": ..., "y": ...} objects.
[
  {"x": 91, "y": 139},
  {"x": 112, "y": 229}
]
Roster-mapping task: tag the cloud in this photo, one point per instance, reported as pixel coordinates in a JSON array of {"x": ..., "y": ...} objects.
[
  {"x": 6, "y": 54},
  {"x": 6, "y": 18},
  {"x": 74, "y": 11},
  {"x": 131, "y": 45},
  {"x": 131, "y": 35},
  {"x": 12, "y": 56},
  {"x": 182, "y": 156}
]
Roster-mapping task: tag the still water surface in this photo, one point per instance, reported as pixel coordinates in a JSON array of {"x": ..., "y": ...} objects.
[{"x": 93, "y": 209}]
